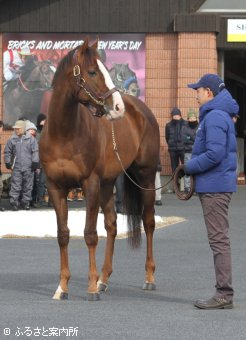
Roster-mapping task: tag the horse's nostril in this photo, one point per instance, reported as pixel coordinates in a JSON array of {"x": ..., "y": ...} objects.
[{"x": 117, "y": 107}]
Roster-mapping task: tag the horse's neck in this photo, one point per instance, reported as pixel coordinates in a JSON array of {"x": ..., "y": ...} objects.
[{"x": 63, "y": 111}]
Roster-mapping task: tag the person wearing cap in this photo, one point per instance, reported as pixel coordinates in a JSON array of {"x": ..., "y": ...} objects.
[
  {"x": 1, "y": 180},
  {"x": 21, "y": 156},
  {"x": 13, "y": 60},
  {"x": 174, "y": 138},
  {"x": 213, "y": 164},
  {"x": 189, "y": 135}
]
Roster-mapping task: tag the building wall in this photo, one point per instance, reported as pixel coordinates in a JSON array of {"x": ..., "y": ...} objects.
[{"x": 172, "y": 61}]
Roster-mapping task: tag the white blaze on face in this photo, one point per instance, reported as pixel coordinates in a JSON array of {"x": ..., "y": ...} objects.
[{"x": 118, "y": 108}]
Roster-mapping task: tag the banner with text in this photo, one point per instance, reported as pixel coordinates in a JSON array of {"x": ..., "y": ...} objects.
[{"x": 30, "y": 61}]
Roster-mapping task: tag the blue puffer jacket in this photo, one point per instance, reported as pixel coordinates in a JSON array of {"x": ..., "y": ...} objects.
[{"x": 214, "y": 154}]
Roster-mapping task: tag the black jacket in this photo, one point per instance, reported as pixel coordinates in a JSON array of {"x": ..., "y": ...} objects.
[
  {"x": 173, "y": 135},
  {"x": 189, "y": 135}
]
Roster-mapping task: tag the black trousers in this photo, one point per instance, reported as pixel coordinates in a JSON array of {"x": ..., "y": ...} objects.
[{"x": 176, "y": 157}]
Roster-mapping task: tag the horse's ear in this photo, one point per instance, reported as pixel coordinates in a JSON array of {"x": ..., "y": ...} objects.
[
  {"x": 85, "y": 44},
  {"x": 95, "y": 45}
]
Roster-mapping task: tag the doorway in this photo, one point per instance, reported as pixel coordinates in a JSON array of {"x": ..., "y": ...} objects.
[{"x": 235, "y": 80}]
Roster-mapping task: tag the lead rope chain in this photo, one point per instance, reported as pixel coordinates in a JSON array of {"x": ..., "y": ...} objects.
[{"x": 118, "y": 156}]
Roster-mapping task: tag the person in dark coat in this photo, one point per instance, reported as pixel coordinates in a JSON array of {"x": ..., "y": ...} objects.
[
  {"x": 213, "y": 164},
  {"x": 174, "y": 139},
  {"x": 41, "y": 186},
  {"x": 189, "y": 135}
]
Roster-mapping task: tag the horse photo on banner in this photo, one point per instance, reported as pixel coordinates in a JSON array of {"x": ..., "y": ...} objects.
[{"x": 30, "y": 62}]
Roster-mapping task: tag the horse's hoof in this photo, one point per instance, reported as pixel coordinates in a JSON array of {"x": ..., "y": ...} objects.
[
  {"x": 60, "y": 296},
  {"x": 102, "y": 287},
  {"x": 93, "y": 296},
  {"x": 149, "y": 286}
]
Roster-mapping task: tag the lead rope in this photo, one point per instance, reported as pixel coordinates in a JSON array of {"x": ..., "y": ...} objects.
[
  {"x": 118, "y": 156},
  {"x": 175, "y": 176}
]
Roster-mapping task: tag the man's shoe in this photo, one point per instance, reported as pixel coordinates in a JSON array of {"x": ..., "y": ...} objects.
[
  {"x": 214, "y": 303},
  {"x": 159, "y": 202},
  {"x": 25, "y": 206},
  {"x": 14, "y": 207},
  {"x": 2, "y": 209}
]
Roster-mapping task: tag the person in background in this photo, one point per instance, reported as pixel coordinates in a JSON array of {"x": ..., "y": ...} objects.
[
  {"x": 1, "y": 180},
  {"x": 41, "y": 185},
  {"x": 32, "y": 130},
  {"x": 189, "y": 135},
  {"x": 21, "y": 156},
  {"x": 158, "y": 184},
  {"x": 119, "y": 192},
  {"x": 214, "y": 163},
  {"x": 174, "y": 139}
]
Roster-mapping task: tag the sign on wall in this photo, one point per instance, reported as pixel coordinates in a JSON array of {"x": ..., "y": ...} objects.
[
  {"x": 236, "y": 30},
  {"x": 30, "y": 61}
]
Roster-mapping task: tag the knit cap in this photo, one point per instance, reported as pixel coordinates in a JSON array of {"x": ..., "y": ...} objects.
[{"x": 30, "y": 125}]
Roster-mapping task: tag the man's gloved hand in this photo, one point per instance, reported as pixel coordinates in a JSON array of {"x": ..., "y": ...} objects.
[
  {"x": 8, "y": 165},
  {"x": 35, "y": 166},
  {"x": 185, "y": 171},
  {"x": 181, "y": 173}
]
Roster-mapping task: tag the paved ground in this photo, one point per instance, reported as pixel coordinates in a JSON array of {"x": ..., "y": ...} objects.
[{"x": 29, "y": 276}]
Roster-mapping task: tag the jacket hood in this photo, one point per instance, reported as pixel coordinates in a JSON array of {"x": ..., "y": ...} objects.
[{"x": 223, "y": 101}]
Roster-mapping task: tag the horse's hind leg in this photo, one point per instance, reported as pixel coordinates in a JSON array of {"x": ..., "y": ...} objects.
[
  {"x": 149, "y": 227},
  {"x": 59, "y": 200},
  {"x": 107, "y": 204}
]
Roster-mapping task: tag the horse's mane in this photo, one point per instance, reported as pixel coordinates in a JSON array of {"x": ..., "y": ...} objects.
[{"x": 63, "y": 64}]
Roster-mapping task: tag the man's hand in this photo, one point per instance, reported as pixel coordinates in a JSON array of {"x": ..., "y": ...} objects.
[
  {"x": 8, "y": 165},
  {"x": 35, "y": 166}
]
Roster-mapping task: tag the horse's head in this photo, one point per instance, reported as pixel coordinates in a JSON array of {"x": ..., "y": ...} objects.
[
  {"x": 93, "y": 83},
  {"x": 36, "y": 75},
  {"x": 125, "y": 79}
]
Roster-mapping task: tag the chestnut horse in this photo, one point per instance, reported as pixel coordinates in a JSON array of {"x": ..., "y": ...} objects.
[{"x": 78, "y": 149}]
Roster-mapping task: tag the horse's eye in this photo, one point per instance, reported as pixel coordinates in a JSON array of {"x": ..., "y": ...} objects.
[{"x": 92, "y": 73}]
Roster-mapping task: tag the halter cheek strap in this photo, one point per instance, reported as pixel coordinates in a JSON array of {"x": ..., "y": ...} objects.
[{"x": 80, "y": 81}]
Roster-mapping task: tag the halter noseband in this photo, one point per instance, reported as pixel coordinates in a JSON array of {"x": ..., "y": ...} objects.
[{"x": 80, "y": 81}]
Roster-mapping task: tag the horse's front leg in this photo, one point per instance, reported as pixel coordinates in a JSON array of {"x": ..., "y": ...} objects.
[
  {"x": 59, "y": 200},
  {"x": 92, "y": 191},
  {"x": 149, "y": 227},
  {"x": 107, "y": 204}
]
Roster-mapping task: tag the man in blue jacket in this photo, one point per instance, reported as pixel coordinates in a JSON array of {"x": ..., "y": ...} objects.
[{"x": 213, "y": 163}]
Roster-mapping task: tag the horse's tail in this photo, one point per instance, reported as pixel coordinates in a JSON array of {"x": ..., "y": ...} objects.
[{"x": 133, "y": 208}]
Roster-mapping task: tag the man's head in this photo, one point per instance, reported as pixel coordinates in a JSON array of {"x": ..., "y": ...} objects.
[
  {"x": 41, "y": 118},
  {"x": 192, "y": 115},
  {"x": 176, "y": 113},
  {"x": 31, "y": 128},
  {"x": 20, "y": 127},
  {"x": 207, "y": 87},
  {"x": 24, "y": 54}
]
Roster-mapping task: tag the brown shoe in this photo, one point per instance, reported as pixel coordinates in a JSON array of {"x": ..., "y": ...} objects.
[{"x": 214, "y": 303}]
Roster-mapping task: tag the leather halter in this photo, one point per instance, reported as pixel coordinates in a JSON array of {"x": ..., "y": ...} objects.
[{"x": 99, "y": 100}]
